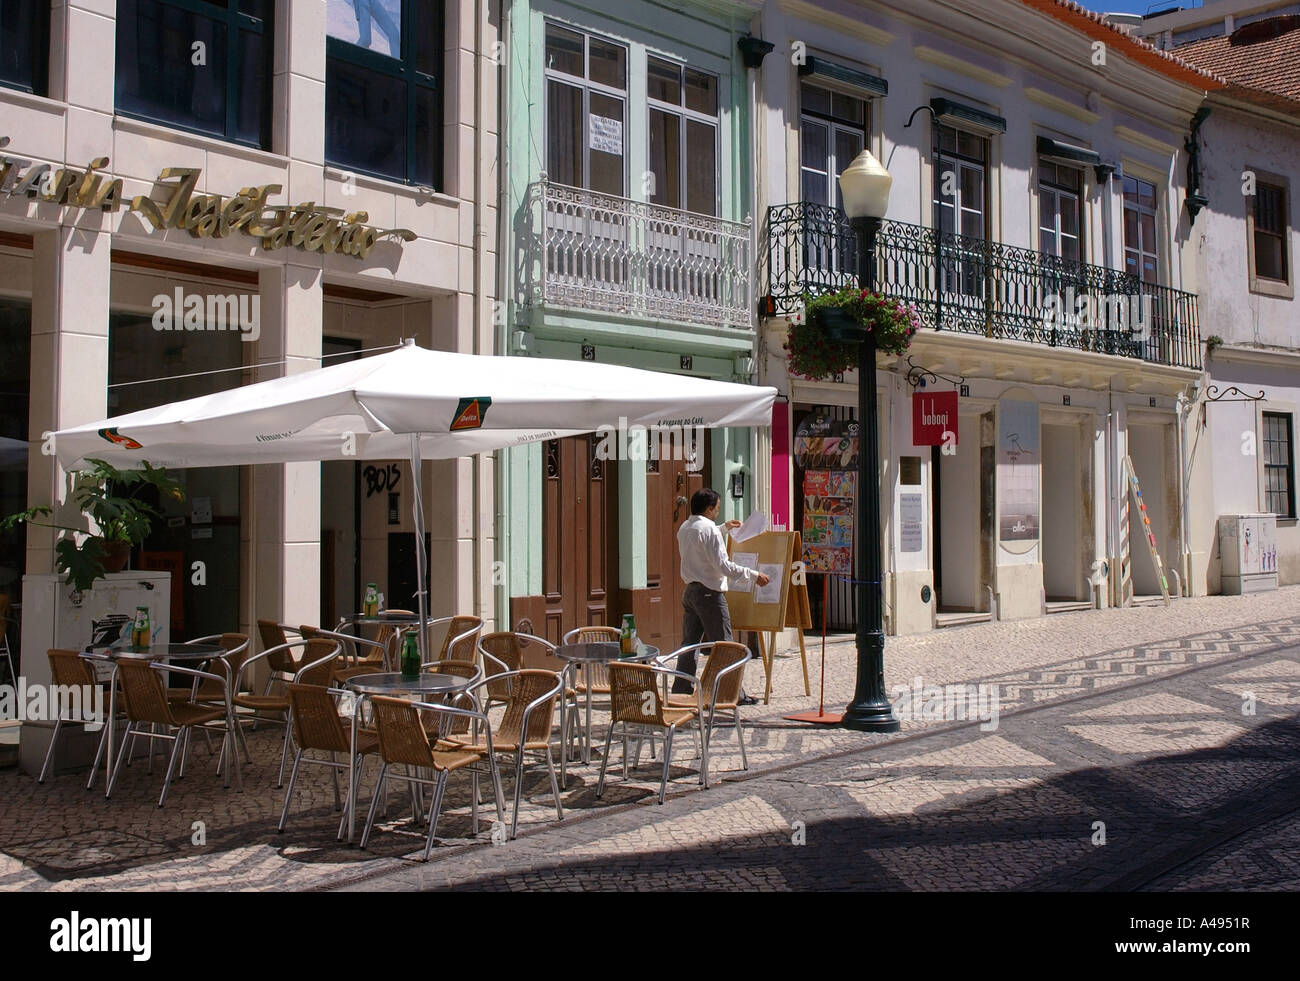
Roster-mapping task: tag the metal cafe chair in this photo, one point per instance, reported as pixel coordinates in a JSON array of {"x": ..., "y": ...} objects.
[
  {"x": 202, "y": 692},
  {"x": 637, "y": 710},
  {"x": 318, "y": 657},
  {"x": 524, "y": 729},
  {"x": 317, "y": 727},
  {"x": 68, "y": 670},
  {"x": 461, "y": 640},
  {"x": 404, "y": 741},
  {"x": 353, "y": 662},
  {"x": 144, "y": 697},
  {"x": 718, "y": 686}
]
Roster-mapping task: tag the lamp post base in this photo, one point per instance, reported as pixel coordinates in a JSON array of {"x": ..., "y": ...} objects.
[{"x": 870, "y": 710}]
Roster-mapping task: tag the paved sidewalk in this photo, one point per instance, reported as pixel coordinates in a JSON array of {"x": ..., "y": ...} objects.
[{"x": 60, "y": 837}]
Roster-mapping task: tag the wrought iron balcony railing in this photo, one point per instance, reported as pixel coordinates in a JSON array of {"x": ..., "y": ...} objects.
[
  {"x": 597, "y": 252},
  {"x": 977, "y": 287}
]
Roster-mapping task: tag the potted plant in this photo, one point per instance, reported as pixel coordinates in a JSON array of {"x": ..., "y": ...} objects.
[
  {"x": 110, "y": 498},
  {"x": 813, "y": 355}
]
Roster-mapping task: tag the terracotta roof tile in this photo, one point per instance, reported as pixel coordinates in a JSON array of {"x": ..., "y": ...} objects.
[{"x": 1264, "y": 56}]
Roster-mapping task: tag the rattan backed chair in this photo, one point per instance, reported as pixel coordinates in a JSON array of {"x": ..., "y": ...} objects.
[
  {"x": 599, "y": 674},
  {"x": 638, "y": 711},
  {"x": 144, "y": 698},
  {"x": 317, "y": 727},
  {"x": 236, "y": 648},
  {"x": 460, "y": 642},
  {"x": 719, "y": 685},
  {"x": 403, "y": 741},
  {"x": 524, "y": 729},
  {"x": 505, "y": 651},
  {"x": 70, "y": 672},
  {"x": 318, "y": 657},
  {"x": 352, "y": 662}
]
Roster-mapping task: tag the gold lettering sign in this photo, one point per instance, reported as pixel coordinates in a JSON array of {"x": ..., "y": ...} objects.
[{"x": 306, "y": 226}]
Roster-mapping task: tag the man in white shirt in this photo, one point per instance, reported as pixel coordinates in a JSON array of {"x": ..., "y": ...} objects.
[{"x": 705, "y": 570}]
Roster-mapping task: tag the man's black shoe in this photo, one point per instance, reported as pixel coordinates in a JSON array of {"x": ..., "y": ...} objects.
[{"x": 748, "y": 700}]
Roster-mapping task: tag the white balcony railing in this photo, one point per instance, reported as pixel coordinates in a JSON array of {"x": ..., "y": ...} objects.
[{"x": 596, "y": 252}]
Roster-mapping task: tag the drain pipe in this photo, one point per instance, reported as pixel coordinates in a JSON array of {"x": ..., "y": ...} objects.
[{"x": 505, "y": 246}]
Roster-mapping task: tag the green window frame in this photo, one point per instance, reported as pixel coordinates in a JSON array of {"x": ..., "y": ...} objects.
[{"x": 419, "y": 160}]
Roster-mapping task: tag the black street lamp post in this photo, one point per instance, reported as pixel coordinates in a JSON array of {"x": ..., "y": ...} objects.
[{"x": 865, "y": 186}]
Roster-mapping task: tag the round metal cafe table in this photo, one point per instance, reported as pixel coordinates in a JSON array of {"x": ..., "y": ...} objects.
[
  {"x": 585, "y": 655},
  {"x": 393, "y": 683}
]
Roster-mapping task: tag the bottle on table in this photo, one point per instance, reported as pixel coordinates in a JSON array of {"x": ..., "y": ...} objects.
[
  {"x": 370, "y": 604},
  {"x": 410, "y": 654},
  {"x": 627, "y": 641},
  {"x": 140, "y": 629}
]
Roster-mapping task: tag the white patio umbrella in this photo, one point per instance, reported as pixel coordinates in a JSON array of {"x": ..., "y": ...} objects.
[{"x": 409, "y": 402}]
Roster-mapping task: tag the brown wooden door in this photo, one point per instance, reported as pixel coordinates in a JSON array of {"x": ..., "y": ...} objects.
[
  {"x": 579, "y": 564},
  {"x": 669, "y": 486}
]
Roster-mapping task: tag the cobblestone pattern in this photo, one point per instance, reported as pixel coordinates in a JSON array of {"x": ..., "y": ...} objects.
[{"x": 60, "y": 837}]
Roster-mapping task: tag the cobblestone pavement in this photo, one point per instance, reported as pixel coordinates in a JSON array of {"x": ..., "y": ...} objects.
[{"x": 1132, "y": 718}]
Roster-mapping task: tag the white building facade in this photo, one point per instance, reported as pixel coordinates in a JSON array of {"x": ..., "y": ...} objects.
[
  {"x": 273, "y": 186},
  {"x": 1039, "y": 176}
]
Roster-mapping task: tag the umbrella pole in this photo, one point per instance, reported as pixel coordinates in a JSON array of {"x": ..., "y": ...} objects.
[{"x": 421, "y": 559}]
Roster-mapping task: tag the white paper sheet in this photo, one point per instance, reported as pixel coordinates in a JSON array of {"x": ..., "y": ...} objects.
[
  {"x": 755, "y": 524},
  {"x": 750, "y": 561},
  {"x": 771, "y": 593}
]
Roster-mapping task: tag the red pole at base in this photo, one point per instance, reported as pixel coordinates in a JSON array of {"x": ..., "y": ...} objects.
[{"x": 820, "y": 717}]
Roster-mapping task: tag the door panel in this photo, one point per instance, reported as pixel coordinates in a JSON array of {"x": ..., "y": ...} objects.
[{"x": 577, "y": 517}]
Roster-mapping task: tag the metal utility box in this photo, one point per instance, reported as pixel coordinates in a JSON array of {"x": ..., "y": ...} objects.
[{"x": 1247, "y": 553}]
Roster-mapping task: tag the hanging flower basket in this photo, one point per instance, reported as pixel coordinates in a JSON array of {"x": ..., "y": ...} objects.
[{"x": 813, "y": 355}]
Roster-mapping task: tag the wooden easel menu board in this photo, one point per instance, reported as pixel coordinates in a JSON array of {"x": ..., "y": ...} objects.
[{"x": 767, "y": 609}]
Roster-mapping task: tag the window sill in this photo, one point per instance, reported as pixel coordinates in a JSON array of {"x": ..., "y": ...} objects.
[
  {"x": 211, "y": 144},
  {"x": 388, "y": 185},
  {"x": 24, "y": 98},
  {"x": 1278, "y": 288}
]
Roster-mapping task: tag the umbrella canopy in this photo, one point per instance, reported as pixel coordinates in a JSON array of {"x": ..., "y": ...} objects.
[{"x": 456, "y": 404}]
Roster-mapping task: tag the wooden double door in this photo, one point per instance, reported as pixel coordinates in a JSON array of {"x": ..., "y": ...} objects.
[{"x": 581, "y": 543}]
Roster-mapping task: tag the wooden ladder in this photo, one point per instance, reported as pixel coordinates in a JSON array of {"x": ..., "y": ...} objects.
[{"x": 1136, "y": 490}]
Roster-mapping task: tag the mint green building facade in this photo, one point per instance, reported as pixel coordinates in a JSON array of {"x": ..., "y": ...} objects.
[{"x": 626, "y": 238}]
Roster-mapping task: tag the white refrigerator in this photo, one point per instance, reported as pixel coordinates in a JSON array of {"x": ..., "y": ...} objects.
[{"x": 56, "y": 615}]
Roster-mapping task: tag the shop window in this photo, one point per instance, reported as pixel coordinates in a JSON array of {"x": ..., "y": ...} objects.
[
  {"x": 200, "y": 65},
  {"x": 15, "y": 401},
  {"x": 383, "y": 88},
  {"x": 1270, "y": 231},
  {"x": 1279, "y": 465},
  {"x": 1141, "y": 241},
  {"x": 25, "y": 45}
]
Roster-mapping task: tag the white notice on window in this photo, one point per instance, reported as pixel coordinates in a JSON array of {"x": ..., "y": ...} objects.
[
  {"x": 605, "y": 134},
  {"x": 771, "y": 593},
  {"x": 750, "y": 561}
]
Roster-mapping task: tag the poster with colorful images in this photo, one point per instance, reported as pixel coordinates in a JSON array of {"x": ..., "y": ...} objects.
[{"x": 827, "y": 451}]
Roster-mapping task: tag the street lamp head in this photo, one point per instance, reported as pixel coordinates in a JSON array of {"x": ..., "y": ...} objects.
[{"x": 865, "y": 185}]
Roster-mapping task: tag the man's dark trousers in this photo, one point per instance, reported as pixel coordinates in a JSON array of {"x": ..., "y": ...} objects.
[{"x": 705, "y": 617}]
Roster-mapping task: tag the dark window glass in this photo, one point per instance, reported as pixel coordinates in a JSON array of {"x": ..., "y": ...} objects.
[
  {"x": 608, "y": 64},
  {"x": 384, "y": 110},
  {"x": 203, "y": 67},
  {"x": 702, "y": 168},
  {"x": 15, "y": 399},
  {"x": 701, "y": 92},
  {"x": 366, "y": 119},
  {"x": 1270, "y": 232},
  {"x": 665, "y": 158},
  {"x": 607, "y": 166},
  {"x": 1279, "y": 465},
  {"x": 664, "y": 81},
  {"x": 25, "y": 45},
  {"x": 564, "y": 51},
  {"x": 564, "y": 133}
]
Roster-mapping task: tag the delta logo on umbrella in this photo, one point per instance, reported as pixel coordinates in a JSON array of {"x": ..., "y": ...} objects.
[
  {"x": 470, "y": 413},
  {"x": 113, "y": 436}
]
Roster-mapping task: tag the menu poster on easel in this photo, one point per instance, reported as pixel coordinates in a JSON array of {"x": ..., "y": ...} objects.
[{"x": 827, "y": 450}]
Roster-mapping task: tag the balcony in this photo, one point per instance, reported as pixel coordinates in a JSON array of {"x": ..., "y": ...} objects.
[
  {"x": 972, "y": 286},
  {"x": 591, "y": 251}
]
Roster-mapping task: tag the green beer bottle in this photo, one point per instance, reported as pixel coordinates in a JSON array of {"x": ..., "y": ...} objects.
[{"x": 410, "y": 655}]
